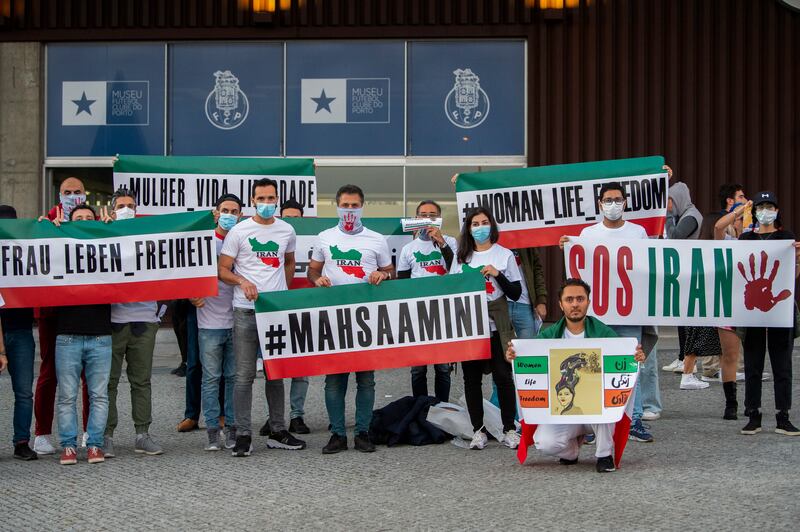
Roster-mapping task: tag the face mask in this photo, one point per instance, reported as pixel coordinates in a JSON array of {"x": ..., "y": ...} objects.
[
  {"x": 125, "y": 213},
  {"x": 734, "y": 207},
  {"x": 481, "y": 233},
  {"x": 266, "y": 210},
  {"x": 613, "y": 212},
  {"x": 423, "y": 235},
  {"x": 766, "y": 217},
  {"x": 70, "y": 202},
  {"x": 349, "y": 219},
  {"x": 227, "y": 221}
]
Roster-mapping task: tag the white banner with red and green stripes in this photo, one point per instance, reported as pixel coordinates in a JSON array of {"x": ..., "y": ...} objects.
[
  {"x": 82, "y": 263},
  {"x": 361, "y": 327},
  {"x": 308, "y": 229},
  {"x": 162, "y": 185},
  {"x": 536, "y": 206}
]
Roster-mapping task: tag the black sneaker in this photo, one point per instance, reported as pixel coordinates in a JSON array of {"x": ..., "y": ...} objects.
[
  {"x": 243, "y": 447},
  {"x": 754, "y": 425},
  {"x": 265, "y": 429},
  {"x": 23, "y": 452},
  {"x": 284, "y": 440},
  {"x": 362, "y": 443},
  {"x": 336, "y": 444},
  {"x": 605, "y": 464},
  {"x": 785, "y": 426},
  {"x": 564, "y": 461},
  {"x": 298, "y": 426},
  {"x": 180, "y": 371}
]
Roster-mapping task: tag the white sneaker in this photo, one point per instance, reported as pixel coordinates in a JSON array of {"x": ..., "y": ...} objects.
[
  {"x": 713, "y": 378},
  {"x": 42, "y": 445},
  {"x": 765, "y": 376},
  {"x": 479, "y": 440},
  {"x": 740, "y": 376},
  {"x": 650, "y": 416},
  {"x": 676, "y": 366},
  {"x": 511, "y": 439},
  {"x": 690, "y": 382},
  {"x": 84, "y": 440}
]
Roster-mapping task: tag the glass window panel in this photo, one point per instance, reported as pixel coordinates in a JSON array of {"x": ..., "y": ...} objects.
[{"x": 382, "y": 186}]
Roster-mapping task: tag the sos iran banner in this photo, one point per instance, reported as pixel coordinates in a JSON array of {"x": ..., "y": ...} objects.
[
  {"x": 83, "y": 263},
  {"x": 536, "y": 206},
  {"x": 408, "y": 322},
  {"x": 576, "y": 381},
  {"x": 164, "y": 185},
  {"x": 687, "y": 282}
]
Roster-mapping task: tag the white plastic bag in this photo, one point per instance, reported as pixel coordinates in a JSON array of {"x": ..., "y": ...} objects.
[{"x": 451, "y": 418}]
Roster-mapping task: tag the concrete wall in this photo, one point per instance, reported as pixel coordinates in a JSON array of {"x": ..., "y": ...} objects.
[{"x": 21, "y": 108}]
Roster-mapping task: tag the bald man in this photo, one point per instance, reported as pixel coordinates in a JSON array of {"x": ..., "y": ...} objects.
[{"x": 71, "y": 193}]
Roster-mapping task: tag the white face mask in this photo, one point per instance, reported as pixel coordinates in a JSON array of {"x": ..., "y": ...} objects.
[
  {"x": 614, "y": 211},
  {"x": 766, "y": 217},
  {"x": 125, "y": 213}
]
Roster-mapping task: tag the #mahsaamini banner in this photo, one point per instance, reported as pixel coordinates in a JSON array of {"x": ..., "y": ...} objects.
[
  {"x": 83, "y": 263},
  {"x": 687, "y": 282},
  {"x": 575, "y": 381},
  {"x": 162, "y": 185},
  {"x": 361, "y": 327},
  {"x": 536, "y": 206}
]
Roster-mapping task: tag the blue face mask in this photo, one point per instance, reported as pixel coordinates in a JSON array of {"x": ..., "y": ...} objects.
[
  {"x": 266, "y": 210},
  {"x": 481, "y": 233},
  {"x": 227, "y": 221}
]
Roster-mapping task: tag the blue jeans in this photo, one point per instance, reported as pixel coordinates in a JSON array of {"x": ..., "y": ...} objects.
[
  {"x": 20, "y": 350},
  {"x": 648, "y": 375},
  {"x": 441, "y": 383},
  {"x": 219, "y": 362},
  {"x": 523, "y": 320},
  {"x": 194, "y": 369},
  {"x": 633, "y": 331},
  {"x": 92, "y": 355},
  {"x": 335, "y": 391},
  {"x": 297, "y": 397}
]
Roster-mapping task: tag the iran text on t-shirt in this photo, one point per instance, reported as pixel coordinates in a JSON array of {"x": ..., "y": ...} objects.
[
  {"x": 217, "y": 313},
  {"x": 424, "y": 258},
  {"x": 628, "y": 230},
  {"x": 258, "y": 253},
  {"x": 351, "y": 259}
]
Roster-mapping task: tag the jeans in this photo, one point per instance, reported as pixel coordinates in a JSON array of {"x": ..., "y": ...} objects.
[
  {"x": 441, "y": 383},
  {"x": 137, "y": 351},
  {"x": 216, "y": 356},
  {"x": 20, "y": 351},
  {"x": 633, "y": 331},
  {"x": 92, "y": 354},
  {"x": 648, "y": 375},
  {"x": 297, "y": 397},
  {"x": 194, "y": 368},
  {"x": 335, "y": 391},
  {"x": 525, "y": 323}
]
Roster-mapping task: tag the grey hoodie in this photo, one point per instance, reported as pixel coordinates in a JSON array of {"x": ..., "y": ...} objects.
[{"x": 686, "y": 219}]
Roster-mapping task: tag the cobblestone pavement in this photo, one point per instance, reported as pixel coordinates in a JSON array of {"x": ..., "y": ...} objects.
[{"x": 699, "y": 473}]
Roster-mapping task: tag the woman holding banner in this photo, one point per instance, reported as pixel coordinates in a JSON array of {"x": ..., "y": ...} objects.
[
  {"x": 478, "y": 251},
  {"x": 778, "y": 340}
]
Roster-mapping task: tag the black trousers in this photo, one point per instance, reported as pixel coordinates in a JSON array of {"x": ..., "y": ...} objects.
[
  {"x": 779, "y": 341},
  {"x": 503, "y": 378}
]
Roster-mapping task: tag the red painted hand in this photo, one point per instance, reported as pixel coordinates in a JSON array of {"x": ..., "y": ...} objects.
[{"x": 758, "y": 290}]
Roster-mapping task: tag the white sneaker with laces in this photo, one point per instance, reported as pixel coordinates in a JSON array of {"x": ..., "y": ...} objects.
[
  {"x": 713, "y": 378},
  {"x": 479, "y": 440},
  {"x": 676, "y": 366},
  {"x": 84, "y": 440},
  {"x": 650, "y": 416},
  {"x": 690, "y": 382},
  {"x": 42, "y": 445},
  {"x": 511, "y": 439}
]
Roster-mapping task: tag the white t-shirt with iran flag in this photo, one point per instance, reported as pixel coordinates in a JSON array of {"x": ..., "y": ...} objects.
[
  {"x": 350, "y": 259},
  {"x": 424, "y": 258},
  {"x": 258, "y": 253},
  {"x": 217, "y": 313}
]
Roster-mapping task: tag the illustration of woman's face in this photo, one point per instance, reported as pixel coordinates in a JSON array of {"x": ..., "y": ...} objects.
[{"x": 564, "y": 396}]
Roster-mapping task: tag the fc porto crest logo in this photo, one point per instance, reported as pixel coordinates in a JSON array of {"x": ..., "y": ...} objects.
[
  {"x": 226, "y": 105},
  {"x": 467, "y": 104}
]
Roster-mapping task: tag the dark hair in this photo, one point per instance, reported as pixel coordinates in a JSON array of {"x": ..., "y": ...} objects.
[
  {"x": 428, "y": 202},
  {"x": 614, "y": 185},
  {"x": 121, "y": 192},
  {"x": 7, "y": 212},
  {"x": 726, "y": 192},
  {"x": 228, "y": 197},
  {"x": 466, "y": 242},
  {"x": 349, "y": 189},
  {"x": 80, "y": 207},
  {"x": 572, "y": 281},
  {"x": 264, "y": 182},
  {"x": 292, "y": 204}
]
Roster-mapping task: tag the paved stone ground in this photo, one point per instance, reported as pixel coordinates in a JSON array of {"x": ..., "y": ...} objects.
[{"x": 699, "y": 473}]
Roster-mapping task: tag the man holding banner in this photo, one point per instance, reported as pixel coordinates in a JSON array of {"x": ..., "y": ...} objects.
[
  {"x": 347, "y": 254},
  {"x": 564, "y": 440},
  {"x": 261, "y": 251}
]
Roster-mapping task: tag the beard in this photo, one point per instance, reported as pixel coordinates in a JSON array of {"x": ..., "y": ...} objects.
[{"x": 574, "y": 319}]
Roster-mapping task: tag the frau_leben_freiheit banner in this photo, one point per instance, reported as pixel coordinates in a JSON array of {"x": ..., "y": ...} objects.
[
  {"x": 687, "y": 282},
  {"x": 90, "y": 262},
  {"x": 536, "y": 206},
  {"x": 361, "y": 327},
  {"x": 162, "y": 185},
  {"x": 574, "y": 381}
]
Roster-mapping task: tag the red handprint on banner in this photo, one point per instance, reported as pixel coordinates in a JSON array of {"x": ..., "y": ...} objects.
[{"x": 758, "y": 290}]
